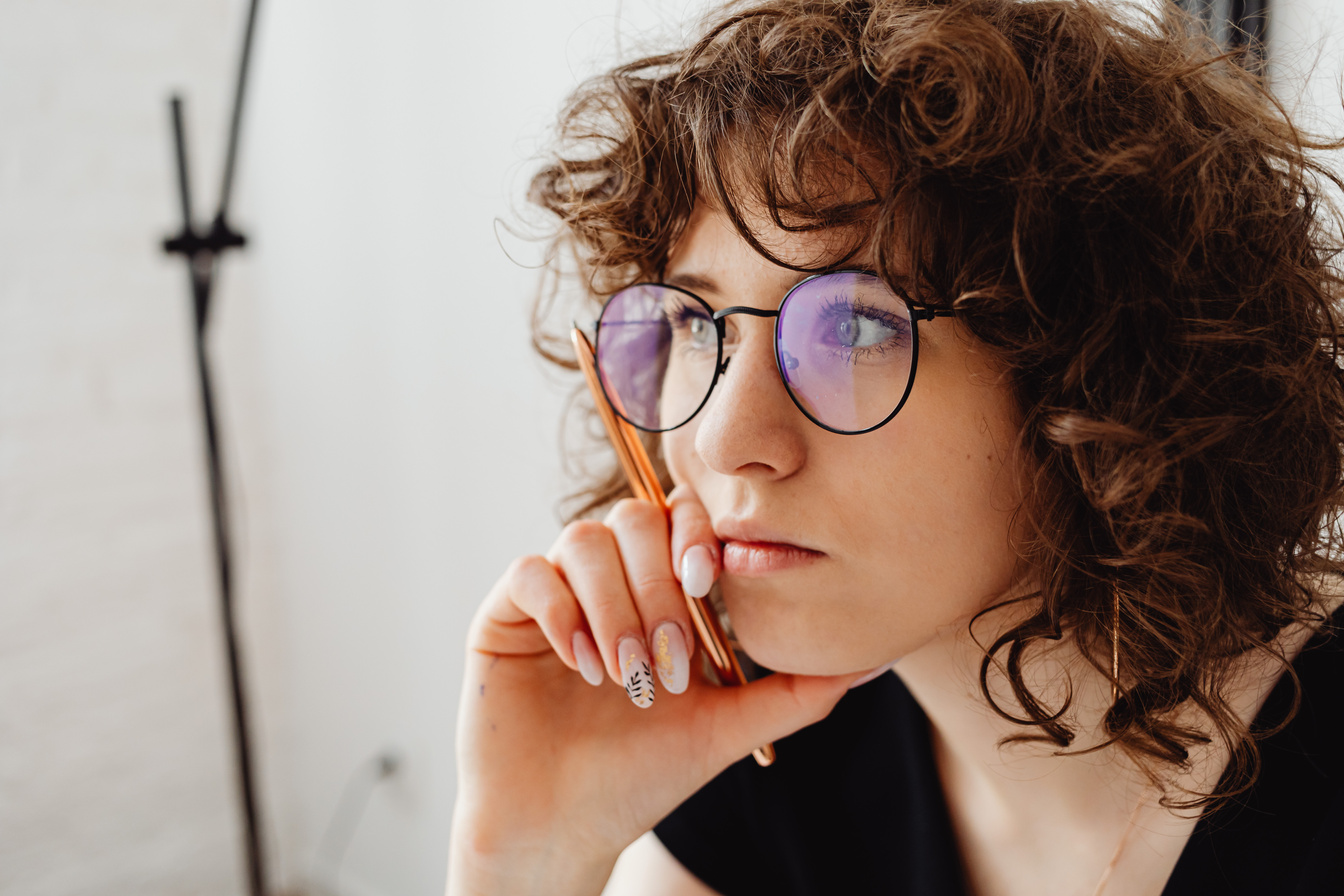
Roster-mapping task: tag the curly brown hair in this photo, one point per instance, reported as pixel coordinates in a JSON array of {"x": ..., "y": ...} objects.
[{"x": 1126, "y": 218}]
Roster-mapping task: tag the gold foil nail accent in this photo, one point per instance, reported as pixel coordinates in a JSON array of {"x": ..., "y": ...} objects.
[{"x": 666, "y": 670}]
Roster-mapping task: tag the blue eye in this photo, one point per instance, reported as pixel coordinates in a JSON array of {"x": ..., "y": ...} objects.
[
  {"x": 691, "y": 327},
  {"x": 849, "y": 325},
  {"x": 857, "y": 331}
]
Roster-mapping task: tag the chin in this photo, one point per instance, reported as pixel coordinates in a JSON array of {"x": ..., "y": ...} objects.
[
  {"x": 811, "y": 637},
  {"x": 793, "y": 645}
]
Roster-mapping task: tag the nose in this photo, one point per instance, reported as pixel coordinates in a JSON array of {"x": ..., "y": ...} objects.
[{"x": 750, "y": 426}]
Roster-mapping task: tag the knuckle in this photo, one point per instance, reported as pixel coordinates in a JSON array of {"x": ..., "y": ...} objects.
[
  {"x": 687, "y": 517},
  {"x": 602, "y": 605},
  {"x": 553, "y": 611},
  {"x": 684, "y": 501},
  {"x": 690, "y": 524},
  {"x": 527, "y": 582},
  {"x": 637, "y": 516},
  {"x": 682, "y": 495},
  {"x": 632, "y": 512},
  {"x": 585, "y": 534},
  {"x": 651, "y": 583},
  {"x": 527, "y": 568},
  {"x": 539, "y": 592}
]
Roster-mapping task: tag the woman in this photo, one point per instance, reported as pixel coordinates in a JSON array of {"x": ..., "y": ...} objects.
[{"x": 1060, "y": 446}]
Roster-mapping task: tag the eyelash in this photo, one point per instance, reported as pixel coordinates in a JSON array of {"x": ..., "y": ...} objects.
[
  {"x": 840, "y": 305},
  {"x": 860, "y": 309},
  {"x": 684, "y": 312}
]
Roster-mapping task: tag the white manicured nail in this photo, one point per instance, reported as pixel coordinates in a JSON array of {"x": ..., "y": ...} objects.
[
  {"x": 697, "y": 570},
  {"x": 585, "y": 654},
  {"x": 670, "y": 657},
  {"x": 635, "y": 672}
]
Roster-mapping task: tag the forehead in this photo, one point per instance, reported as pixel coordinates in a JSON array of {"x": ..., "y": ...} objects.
[
  {"x": 713, "y": 257},
  {"x": 712, "y": 244}
]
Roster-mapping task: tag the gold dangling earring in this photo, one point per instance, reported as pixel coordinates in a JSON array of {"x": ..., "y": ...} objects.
[{"x": 1115, "y": 651}]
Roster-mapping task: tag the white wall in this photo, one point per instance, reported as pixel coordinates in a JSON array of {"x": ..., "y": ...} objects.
[
  {"x": 378, "y": 484},
  {"x": 1306, "y": 50},
  {"x": 114, "y": 753},
  {"x": 391, "y": 438},
  {"x": 377, "y": 337}
]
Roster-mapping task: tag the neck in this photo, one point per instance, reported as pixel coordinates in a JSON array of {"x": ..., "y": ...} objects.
[
  {"x": 1013, "y": 804},
  {"x": 944, "y": 677}
]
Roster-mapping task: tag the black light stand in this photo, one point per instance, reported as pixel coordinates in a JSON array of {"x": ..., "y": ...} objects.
[{"x": 202, "y": 250}]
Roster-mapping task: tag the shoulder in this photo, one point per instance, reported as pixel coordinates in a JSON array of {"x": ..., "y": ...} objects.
[{"x": 1285, "y": 834}]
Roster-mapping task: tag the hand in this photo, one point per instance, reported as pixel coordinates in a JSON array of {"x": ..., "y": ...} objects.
[{"x": 559, "y": 770}]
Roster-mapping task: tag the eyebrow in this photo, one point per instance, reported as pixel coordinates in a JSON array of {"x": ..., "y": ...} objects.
[
  {"x": 698, "y": 283},
  {"x": 692, "y": 282}
]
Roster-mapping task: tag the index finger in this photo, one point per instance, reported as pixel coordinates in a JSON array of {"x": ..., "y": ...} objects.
[{"x": 696, "y": 554}]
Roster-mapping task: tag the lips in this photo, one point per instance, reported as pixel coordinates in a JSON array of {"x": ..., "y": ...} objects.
[
  {"x": 753, "y": 531},
  {"x": 754, "y": 549},
  {"x": 755, "y": 558}
]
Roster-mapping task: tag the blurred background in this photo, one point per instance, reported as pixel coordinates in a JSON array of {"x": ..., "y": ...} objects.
[{"x": 390, "y": 440}]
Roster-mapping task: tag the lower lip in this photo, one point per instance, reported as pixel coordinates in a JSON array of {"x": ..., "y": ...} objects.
[{"x": 759, "y": 558}]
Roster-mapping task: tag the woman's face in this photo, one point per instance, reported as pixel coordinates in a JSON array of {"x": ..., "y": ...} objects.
[{"x": 843, "y": 552}]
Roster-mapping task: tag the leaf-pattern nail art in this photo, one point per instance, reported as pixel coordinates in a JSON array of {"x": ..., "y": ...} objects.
[{"x": 639, "y": 681}]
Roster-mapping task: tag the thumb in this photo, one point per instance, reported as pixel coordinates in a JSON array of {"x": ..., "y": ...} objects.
[{"x": 746, "y": 717}]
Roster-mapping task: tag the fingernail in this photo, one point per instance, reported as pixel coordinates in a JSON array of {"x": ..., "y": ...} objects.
[
  {"x": 697, "y": 570},
  {"x": 670, "y": 657},
  {"x": 873, "y": 674},
  {"x": 635, "y": 672},
  {"x": 585, "y": 654}
]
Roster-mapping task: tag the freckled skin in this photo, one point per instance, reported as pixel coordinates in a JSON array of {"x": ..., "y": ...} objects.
[{"x": 914, "y": 518}]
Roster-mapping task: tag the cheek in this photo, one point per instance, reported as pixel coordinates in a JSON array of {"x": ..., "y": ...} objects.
[
  {"x": 915, "y": 517},
  {"x": 678, "y": 449},
  {"x": 936, "y": 524}
]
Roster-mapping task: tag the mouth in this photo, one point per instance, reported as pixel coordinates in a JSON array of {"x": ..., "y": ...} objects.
[
  {"x": 759, "y": 558},
  {"x": 750, "y": 549}
]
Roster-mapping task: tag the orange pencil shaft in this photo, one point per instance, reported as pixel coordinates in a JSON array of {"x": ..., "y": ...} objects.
[{"x": 644, "y": 483}]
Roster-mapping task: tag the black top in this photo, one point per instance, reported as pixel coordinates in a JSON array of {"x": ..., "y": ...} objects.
[{"x": 854, "y": 805}]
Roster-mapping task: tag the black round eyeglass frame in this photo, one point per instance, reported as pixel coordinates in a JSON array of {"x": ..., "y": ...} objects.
[{"x": 917, "y": 313}]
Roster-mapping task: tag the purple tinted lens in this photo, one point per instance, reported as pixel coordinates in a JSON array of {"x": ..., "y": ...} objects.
[
  {"x": 845, "y": 344},
  {"x": 657, "y": 350}
]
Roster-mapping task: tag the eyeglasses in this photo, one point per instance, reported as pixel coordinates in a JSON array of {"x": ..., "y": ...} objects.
[{"x": 846, "y": 346}]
